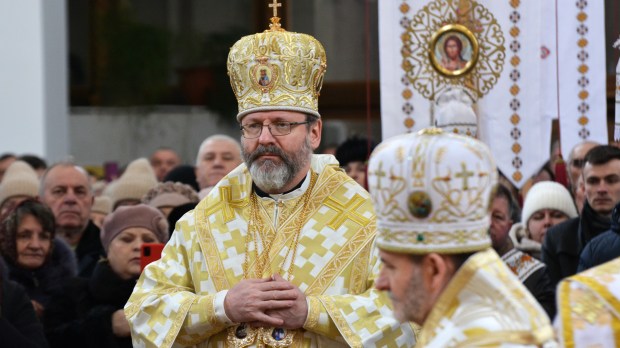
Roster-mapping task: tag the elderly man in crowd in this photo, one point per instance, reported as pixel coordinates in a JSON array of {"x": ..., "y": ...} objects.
[
  {"x": 217, "y": 156},
  {"x": 575, "y": 166},
  {"x": 431, "y": 192},
  {"x": 163, "y": 160},
  {"x": 65, "y": 188},
  {"x": 280, "y": 252}
]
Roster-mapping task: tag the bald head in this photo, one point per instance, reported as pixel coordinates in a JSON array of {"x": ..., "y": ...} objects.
[
  {"x": 576, "y": 161},
  {"x": 163, "y": 160},
  {"x": 217, "y": 156},
  {"x": 65, "y": 188}
]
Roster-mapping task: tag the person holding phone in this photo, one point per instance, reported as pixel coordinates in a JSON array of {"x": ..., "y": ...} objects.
[{"x": 90, "y": 311}]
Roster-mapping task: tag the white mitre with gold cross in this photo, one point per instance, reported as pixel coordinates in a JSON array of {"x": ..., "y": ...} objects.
[{"x": 431, "y": 192}]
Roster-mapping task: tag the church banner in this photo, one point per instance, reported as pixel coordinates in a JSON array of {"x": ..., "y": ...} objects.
[
  {"x": 582, "y": 77},
  {"x": 500, "y": 53}
]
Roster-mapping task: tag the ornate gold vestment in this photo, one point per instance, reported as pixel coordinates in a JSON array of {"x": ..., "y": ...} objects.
[
  {"x": 589, "y": 307},
  {"x": 486, "y": 305},
  {"x": 179, "y": 299}
]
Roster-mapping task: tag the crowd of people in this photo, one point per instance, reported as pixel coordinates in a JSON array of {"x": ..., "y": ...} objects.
[{"x": 414, "y": 242}]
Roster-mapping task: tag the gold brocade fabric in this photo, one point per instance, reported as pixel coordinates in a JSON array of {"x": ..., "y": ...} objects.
[
  {"x": 277, "y": 70},
  {"x": 486, "y": 305},
  {"x": 589, "y": 307},
  {"x": 176, "y": 298}
]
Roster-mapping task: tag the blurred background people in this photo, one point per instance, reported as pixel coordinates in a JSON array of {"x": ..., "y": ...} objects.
[
  {"x": 20, "y": 183},
  {"x": 530, "y": 271},
  {"x": 353, "y": 155},
  {"x": 166, "y": 196},
  {"x": 579, "y": 194},
  {"x": 217, "y": 156},
  {"x": 134, "y": 183},
  {"x": 185, "y": 174},
  {"x": 37, "y": 163},
  {"x": 102, "y": 206},
  {"x": 65, "y": 189},
  {"x": 163, "y": 160},
  {"x": 5, "y": 161},
  {"x": 34, "y": 258},
  {"x": 576, "y": 161},
  {"x": 89, "y": 312}
]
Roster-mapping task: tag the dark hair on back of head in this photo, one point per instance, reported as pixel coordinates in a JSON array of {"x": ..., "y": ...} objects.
[
  {"x": 35, "y": 162},
  {"x": 6, "y": 155},
  {"x": 602, "y": 154},
  {"x": 457, "y": 259},
  {"x": 354, "y": 149}
]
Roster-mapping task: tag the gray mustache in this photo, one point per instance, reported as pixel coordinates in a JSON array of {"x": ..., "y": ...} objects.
[{"x": 270, "y": 149}]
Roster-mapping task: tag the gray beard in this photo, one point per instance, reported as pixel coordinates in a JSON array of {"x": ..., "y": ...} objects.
[{"x": 271, "y": 176}]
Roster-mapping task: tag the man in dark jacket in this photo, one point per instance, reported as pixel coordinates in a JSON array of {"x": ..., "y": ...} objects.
[
  {"x": 604, "y": 247},
  {"x": 65, "y": 188},
  {"x": 564, "y": 242}
]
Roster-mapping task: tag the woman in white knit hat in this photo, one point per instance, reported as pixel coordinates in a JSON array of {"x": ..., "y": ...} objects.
[{"x": 547, "y": 204}]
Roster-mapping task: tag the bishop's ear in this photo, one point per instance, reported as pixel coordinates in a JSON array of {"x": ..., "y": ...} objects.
[{"x": 437, "y": 272}]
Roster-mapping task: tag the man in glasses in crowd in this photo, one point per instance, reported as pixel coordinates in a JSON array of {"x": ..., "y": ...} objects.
[
  {"x": 280, "y": 252},
  {"x": 575, "y": 165}
]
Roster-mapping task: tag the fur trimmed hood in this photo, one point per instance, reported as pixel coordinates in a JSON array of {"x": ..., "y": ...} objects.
[{"x": 41, "y": 283}]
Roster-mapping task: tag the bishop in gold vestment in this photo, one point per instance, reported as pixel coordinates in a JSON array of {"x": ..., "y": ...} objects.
[
  {"x": 281, "y": 252},
  {"x": 432, "y": 222},
  {"x": 179, "y": 299}
]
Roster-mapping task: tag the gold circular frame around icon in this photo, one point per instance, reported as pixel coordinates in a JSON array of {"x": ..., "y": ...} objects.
[{"x": 457, "y": 37}]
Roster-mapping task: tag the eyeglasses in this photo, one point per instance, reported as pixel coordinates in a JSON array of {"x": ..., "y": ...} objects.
[
  {"x": 578, "y": 162},
  {"x": 277, "y": 129}
]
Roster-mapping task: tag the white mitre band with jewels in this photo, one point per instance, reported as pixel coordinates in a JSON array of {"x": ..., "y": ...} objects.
[
  {"x": 277, "y": 70},
  {"x": 431, "y": 191}
]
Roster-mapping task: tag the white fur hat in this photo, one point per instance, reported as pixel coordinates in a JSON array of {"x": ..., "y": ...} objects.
[
  {"x": 547, "y": 195},
  {"x": 431, "y": 191}
]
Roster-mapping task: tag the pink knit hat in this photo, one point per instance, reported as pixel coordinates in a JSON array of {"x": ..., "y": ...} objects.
[{"x": 140, "y": 215}]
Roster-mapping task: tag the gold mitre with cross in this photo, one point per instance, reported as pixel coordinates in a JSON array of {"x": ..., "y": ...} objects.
[
  {"x": 431, "y": 191},
  {"x": 277, "y": 70}
]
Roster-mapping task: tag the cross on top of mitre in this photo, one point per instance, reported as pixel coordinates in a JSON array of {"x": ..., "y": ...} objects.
[{"x": 275, "y": 20}]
